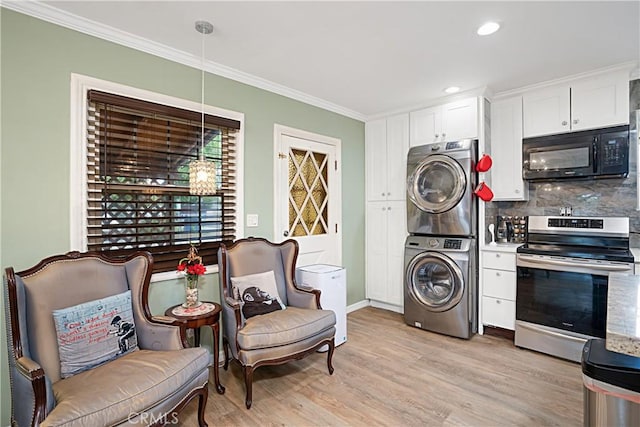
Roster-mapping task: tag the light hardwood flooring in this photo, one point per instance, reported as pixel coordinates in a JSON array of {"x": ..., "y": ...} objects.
[{"x": 391, "y": 374}]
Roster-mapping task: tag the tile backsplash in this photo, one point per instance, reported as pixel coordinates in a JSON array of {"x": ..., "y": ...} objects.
[{"x": 606, "y": 197}]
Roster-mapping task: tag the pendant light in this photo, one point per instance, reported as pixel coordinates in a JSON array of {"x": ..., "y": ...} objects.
[{"x": 202, "y": 173}]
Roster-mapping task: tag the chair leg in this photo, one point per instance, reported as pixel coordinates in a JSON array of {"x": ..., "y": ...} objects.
[
  {"x": 248, "y": 382},
  {"x": 225, "y": 347},
  {"x": 202, "y": 403},
  {"x": 332, "y": 346}
]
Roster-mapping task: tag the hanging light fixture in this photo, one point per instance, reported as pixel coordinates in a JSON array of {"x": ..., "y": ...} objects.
[{"x": 202, "y": 173}]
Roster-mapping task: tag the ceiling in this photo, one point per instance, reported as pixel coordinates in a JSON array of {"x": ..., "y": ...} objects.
[{"x": 370, "y": 58}]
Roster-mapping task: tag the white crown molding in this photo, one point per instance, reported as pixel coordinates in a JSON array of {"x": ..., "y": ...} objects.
[
  {"x": 56, "y": 16},
  {"x": 629, "y": 67}
]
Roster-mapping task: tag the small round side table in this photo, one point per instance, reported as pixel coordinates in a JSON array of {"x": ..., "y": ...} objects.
[{"x": 195, "y": 319}]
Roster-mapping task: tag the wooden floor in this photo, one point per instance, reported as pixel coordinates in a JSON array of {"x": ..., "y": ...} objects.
[{"x": 391, "y": 374}]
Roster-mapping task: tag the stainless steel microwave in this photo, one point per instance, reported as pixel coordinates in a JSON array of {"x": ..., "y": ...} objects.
[{"x": 599, "y": 153}]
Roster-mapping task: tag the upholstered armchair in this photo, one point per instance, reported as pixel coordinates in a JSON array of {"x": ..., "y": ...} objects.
[
  {"x": 293, "y": 324},
  {"x": 146, "y": 385}
]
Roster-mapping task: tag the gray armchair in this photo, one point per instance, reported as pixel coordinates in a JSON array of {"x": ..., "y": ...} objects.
[
  {"x": 279, "y": 336},
  {"x": 147, "y": 386}
]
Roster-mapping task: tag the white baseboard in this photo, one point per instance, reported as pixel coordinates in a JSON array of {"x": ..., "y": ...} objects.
[
  {"x": 357, "y": 306},
  {"x": 386, "y": 306}
]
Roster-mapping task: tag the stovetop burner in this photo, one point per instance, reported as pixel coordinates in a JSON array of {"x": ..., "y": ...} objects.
[{"x": 600, "y": 238}]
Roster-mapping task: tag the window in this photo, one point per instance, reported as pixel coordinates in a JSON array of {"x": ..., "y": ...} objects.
[{"x": 138, "y": 154}]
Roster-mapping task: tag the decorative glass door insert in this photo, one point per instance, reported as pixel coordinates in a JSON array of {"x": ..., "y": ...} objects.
[{"x": 308, "y": 193}]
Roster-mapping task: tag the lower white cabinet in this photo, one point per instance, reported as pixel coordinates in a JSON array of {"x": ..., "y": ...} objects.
[
  {"x": 499, "y": 287},
  {"x": 385, "y": 239}
]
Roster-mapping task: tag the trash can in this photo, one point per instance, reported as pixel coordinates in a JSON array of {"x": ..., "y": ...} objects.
[
  {"x": 611, "y": 386},
  {"x": 331, "y": 280}
]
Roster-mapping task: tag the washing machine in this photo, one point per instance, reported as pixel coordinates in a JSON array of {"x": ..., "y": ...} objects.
[
  {"x": 441, "y": 178},
  {"x": 440, "y": 284}
]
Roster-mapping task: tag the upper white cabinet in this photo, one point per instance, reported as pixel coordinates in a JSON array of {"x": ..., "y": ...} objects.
[
  {"x": 506, "y": 150},
  {"x": 386, "y": 147},
  {"x": 449, "y": 122},
  {"x": 587, "y": 103}
]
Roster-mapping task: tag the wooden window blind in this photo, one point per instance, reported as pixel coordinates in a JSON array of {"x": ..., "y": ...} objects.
[{"x": 138, "y": 156}]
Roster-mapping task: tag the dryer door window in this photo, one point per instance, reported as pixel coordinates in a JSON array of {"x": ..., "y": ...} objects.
[
  {"x": 435, "y": 280},
  {"x": 437, "y": 185}
]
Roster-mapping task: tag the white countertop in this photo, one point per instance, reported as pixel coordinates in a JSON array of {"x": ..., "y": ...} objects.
[{"x": 623, "y": 314}]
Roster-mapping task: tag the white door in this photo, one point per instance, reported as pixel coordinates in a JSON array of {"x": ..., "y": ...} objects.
[
  {"x": 308, "y": 196},
  {"x": 600, "y": 101},
  {"x": 425, "y": 126},
  {"x": 460, "y": 120},
  {"x": 546, "y": 111}
]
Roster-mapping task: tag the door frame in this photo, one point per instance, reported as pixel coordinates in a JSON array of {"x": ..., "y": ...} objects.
[{"x": 278, "y": 132}]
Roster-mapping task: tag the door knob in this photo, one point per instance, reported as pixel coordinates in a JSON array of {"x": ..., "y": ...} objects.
[
  {"x": 575, "y": 121},
  {"x": 285, "y": 233},
  {"x": 564, "y": 123}
]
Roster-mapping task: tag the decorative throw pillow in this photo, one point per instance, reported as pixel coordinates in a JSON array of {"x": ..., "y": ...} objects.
[
  {"x": 94, "y": 332},
  {"x": 258, "y": 293}
]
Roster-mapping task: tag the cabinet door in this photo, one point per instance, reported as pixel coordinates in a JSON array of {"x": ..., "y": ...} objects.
[
  {"x": 460, "y": 120},
  {"x": 600, "y": 102},
  {"x": 396, "y": 236},
  {"x": 499, "y": 312},
  {"x": 546, "y": 111},
  {"x": 506, "y": 150},
  {"x": 376, "y": 251},
  {"x": 425, "y": 126},
  {"x": 396, "y": 162},
  {"x": 376, "y": 159}
]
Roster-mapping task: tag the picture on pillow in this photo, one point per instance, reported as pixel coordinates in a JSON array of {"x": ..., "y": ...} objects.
[
  {"x": 94, "y": 332},
  {"x": 258, "y": 293},
  {"x": 256, "y": 301}
]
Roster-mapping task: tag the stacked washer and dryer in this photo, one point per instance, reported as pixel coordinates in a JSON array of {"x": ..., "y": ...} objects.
[{"x": 440, "y": 285}]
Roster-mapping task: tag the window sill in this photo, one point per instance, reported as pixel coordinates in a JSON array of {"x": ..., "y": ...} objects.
[{"x": 174, "y": 275}]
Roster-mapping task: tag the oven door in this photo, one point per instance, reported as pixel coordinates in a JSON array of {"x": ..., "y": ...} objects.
[
  {"x": 561, "y": 302},
  {"x": 565, "y": 293}
]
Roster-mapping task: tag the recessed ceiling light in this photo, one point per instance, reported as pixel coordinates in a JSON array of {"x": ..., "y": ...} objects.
[
  {"x": 452, "y": 89},
  {"x": 488, "y": 28}
]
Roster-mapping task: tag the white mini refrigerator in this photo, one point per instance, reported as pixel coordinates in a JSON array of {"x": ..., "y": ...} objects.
[{"x": 332, "y": 283}]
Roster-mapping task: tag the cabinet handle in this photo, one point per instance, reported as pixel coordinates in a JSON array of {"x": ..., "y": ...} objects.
[
  {"x": 498, "y": 301},
  {"x": 382, "y": 194},
  {"x": 498, "y": 274},
  {"x": 564, "y": 123},
  {"x": 497, "y": 255},
  {"x": 444, "y": 134},
  {"x": 389, "y": 208},
  {"x": 383, "y": 208},
  {"x": 437, "y": 135},
  {"x": 575, "y": 121},
  {"x": 517, "y": 191},
  {"x": 388, "y": 194}
]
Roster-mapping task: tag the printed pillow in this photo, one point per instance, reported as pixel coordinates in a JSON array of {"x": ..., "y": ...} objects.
[
  {"x": 92, "y": 333},
  {"x": 258, "y": 293}
]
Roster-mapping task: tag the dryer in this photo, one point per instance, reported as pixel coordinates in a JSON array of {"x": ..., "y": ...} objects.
[
  {"x": 440, "y": 283},
  {"x": 441, "y": 178}
]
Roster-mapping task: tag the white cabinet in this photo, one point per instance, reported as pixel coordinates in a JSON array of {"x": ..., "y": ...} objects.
[
  {"x": 386, "y": 147},
  {"x": 499, "y": 287},
  {"x": 587, "y": 103},
  {"x": 386, "y": 233},
  {"x": 506, "y": 150},
  {"x": 387, "y": 144},
  {"x": 449, "y": 122}
]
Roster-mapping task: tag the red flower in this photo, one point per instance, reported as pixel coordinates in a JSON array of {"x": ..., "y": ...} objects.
[{"x": 181, "y": 267}]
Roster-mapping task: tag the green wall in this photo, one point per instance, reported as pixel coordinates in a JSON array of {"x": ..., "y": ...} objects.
[{"x": 37, "y": 61}]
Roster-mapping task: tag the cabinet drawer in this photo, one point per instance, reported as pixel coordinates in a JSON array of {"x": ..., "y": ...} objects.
[
  {"x": 499, "y": 260},
  {"x": 499, "y": 312},
  {"x": 499, "y": 283}
]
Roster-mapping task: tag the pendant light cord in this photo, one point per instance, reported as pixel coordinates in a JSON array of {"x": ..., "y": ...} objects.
[{"x": 202, "y": 98}]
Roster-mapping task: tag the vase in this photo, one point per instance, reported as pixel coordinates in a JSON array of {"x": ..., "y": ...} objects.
[{"x": 191, "y": 293}]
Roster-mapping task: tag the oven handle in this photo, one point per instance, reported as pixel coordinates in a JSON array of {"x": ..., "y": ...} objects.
[{"x": 547, "y": 261}]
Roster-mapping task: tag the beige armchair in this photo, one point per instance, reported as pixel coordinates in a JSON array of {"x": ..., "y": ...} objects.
[
  {"x": 279, "y": 336},
  {"x": 145, "y": 386}
]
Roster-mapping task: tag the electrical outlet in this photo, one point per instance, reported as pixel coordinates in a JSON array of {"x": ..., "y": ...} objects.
[{"x": 252, "y": 220}]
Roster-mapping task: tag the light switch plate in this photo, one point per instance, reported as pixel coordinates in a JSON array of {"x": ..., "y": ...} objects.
[{"x": 252, "y": 220}]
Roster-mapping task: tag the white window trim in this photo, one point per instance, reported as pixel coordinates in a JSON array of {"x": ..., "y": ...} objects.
[{"x": 80, "y": 85}]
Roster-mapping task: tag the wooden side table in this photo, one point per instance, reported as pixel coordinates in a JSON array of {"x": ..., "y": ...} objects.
[{"x": 196, "y": 318}]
